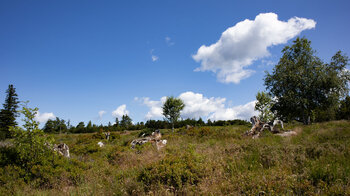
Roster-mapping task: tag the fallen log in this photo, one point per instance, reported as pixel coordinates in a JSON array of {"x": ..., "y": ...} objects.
[
  {"x": 258, "y": 126},
  {"x": 155, "y": 138}
]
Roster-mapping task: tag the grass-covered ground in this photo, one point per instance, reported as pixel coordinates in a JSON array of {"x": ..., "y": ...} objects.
[{"x": 200, "y": 161}]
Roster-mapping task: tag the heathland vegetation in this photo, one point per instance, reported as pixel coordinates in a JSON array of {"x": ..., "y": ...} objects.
[
  {"x": 214, "y": 160},
  {"x": 212, "y": 157}
]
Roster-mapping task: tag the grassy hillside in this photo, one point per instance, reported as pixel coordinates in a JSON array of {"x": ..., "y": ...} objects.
[{"x": 206, "y": 160}]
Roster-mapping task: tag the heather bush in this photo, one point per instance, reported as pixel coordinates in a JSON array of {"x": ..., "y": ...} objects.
[
  {"x": 114, "y": 136},
  {"x": 174, "y": 171},
  {"x": 200, "y": 131}
]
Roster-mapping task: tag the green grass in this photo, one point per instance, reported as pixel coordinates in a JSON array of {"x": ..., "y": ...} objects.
[{"x": 200, "y": 161}]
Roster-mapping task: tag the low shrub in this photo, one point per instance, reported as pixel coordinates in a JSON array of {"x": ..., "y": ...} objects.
[
  {"x": 117, "y": 156},
  {"x": 199, "y": 131},
  {"x": 174, "y": 171},
  {"x": 84, "y": 138},
  {"x": 31, "y": 158},
  {"x": 8, "y": 155},
  {"x": 11, "y": 179},
  {"x": 101, "y": 135},
  {"x": 87, "y": 148},
  {"x": 114, "y": 136},
  {"x": 146, "y": 132}
]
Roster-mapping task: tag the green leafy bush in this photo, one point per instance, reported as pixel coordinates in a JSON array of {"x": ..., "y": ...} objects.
[
  {"x": 32, "y": 147},
  {"x": 31, "y": 158}
]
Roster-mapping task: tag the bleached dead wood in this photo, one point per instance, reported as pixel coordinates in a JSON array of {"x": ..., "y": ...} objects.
[
  {"x": 100, "y": 144},
  {"x": 62, "y": 149},
  {"x": 258, "y": 126},
  {"x": 287, "y": 133},
  {"x": 155, "y": 138}
]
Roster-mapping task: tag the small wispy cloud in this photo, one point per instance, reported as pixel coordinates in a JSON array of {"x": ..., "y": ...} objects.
[
  {"x": 154, "y": 57},
  {"x": 266, "y": 63},
  {"x": 168, "y": 41},
  {"x": 101, "y": 113}
]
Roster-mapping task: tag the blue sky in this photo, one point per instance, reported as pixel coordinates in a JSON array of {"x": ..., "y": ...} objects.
[{"x": 74, "y": 59}]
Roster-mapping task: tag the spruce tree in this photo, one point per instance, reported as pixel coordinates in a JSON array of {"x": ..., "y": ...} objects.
[
  {"x": 9, "y": 113},
  {"x": 116, "y": 122},
  {"x": 126, "y": 121}
]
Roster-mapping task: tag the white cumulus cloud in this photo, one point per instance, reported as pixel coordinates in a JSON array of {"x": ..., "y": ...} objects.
[
  {"x": 120, "y": 111},
  {"x": 197, "y": 105},
  {"x": 243, "y": 112},
  {"x": 42, "y": 118},
  {"x": 239, "y": 46},
  {"x": 155, "y": 107}
]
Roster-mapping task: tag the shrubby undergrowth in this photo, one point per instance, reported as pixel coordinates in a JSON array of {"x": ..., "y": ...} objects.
[
  {"x": 29, "y": 159},
  {"x": 174, "y": 171},
  {"x": 198, "y": 160}
]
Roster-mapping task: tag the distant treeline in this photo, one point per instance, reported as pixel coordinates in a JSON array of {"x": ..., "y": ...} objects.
[{"x": 61, "y": 126}]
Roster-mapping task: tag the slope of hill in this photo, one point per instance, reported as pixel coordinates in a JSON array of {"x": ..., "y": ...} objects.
[{"x": 204, "y": 160}]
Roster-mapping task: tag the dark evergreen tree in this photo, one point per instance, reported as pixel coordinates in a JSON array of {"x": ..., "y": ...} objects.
[
  {"x": 116, "y": 122},
  {"x": 68, "y": 124},
  {"x": 200, "y": 122},
  {"x": 80, "y": 128},
  {"x": 209, "y": 123},
  {"x": 81, "y": 125},
  {"x": 9, "y": 113},
  {"x": 89, "y": 125},
  {"x": 126, "y": 121},
  {"x": 55, "y": 126},
  {"x": 50, "y": 126}
]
